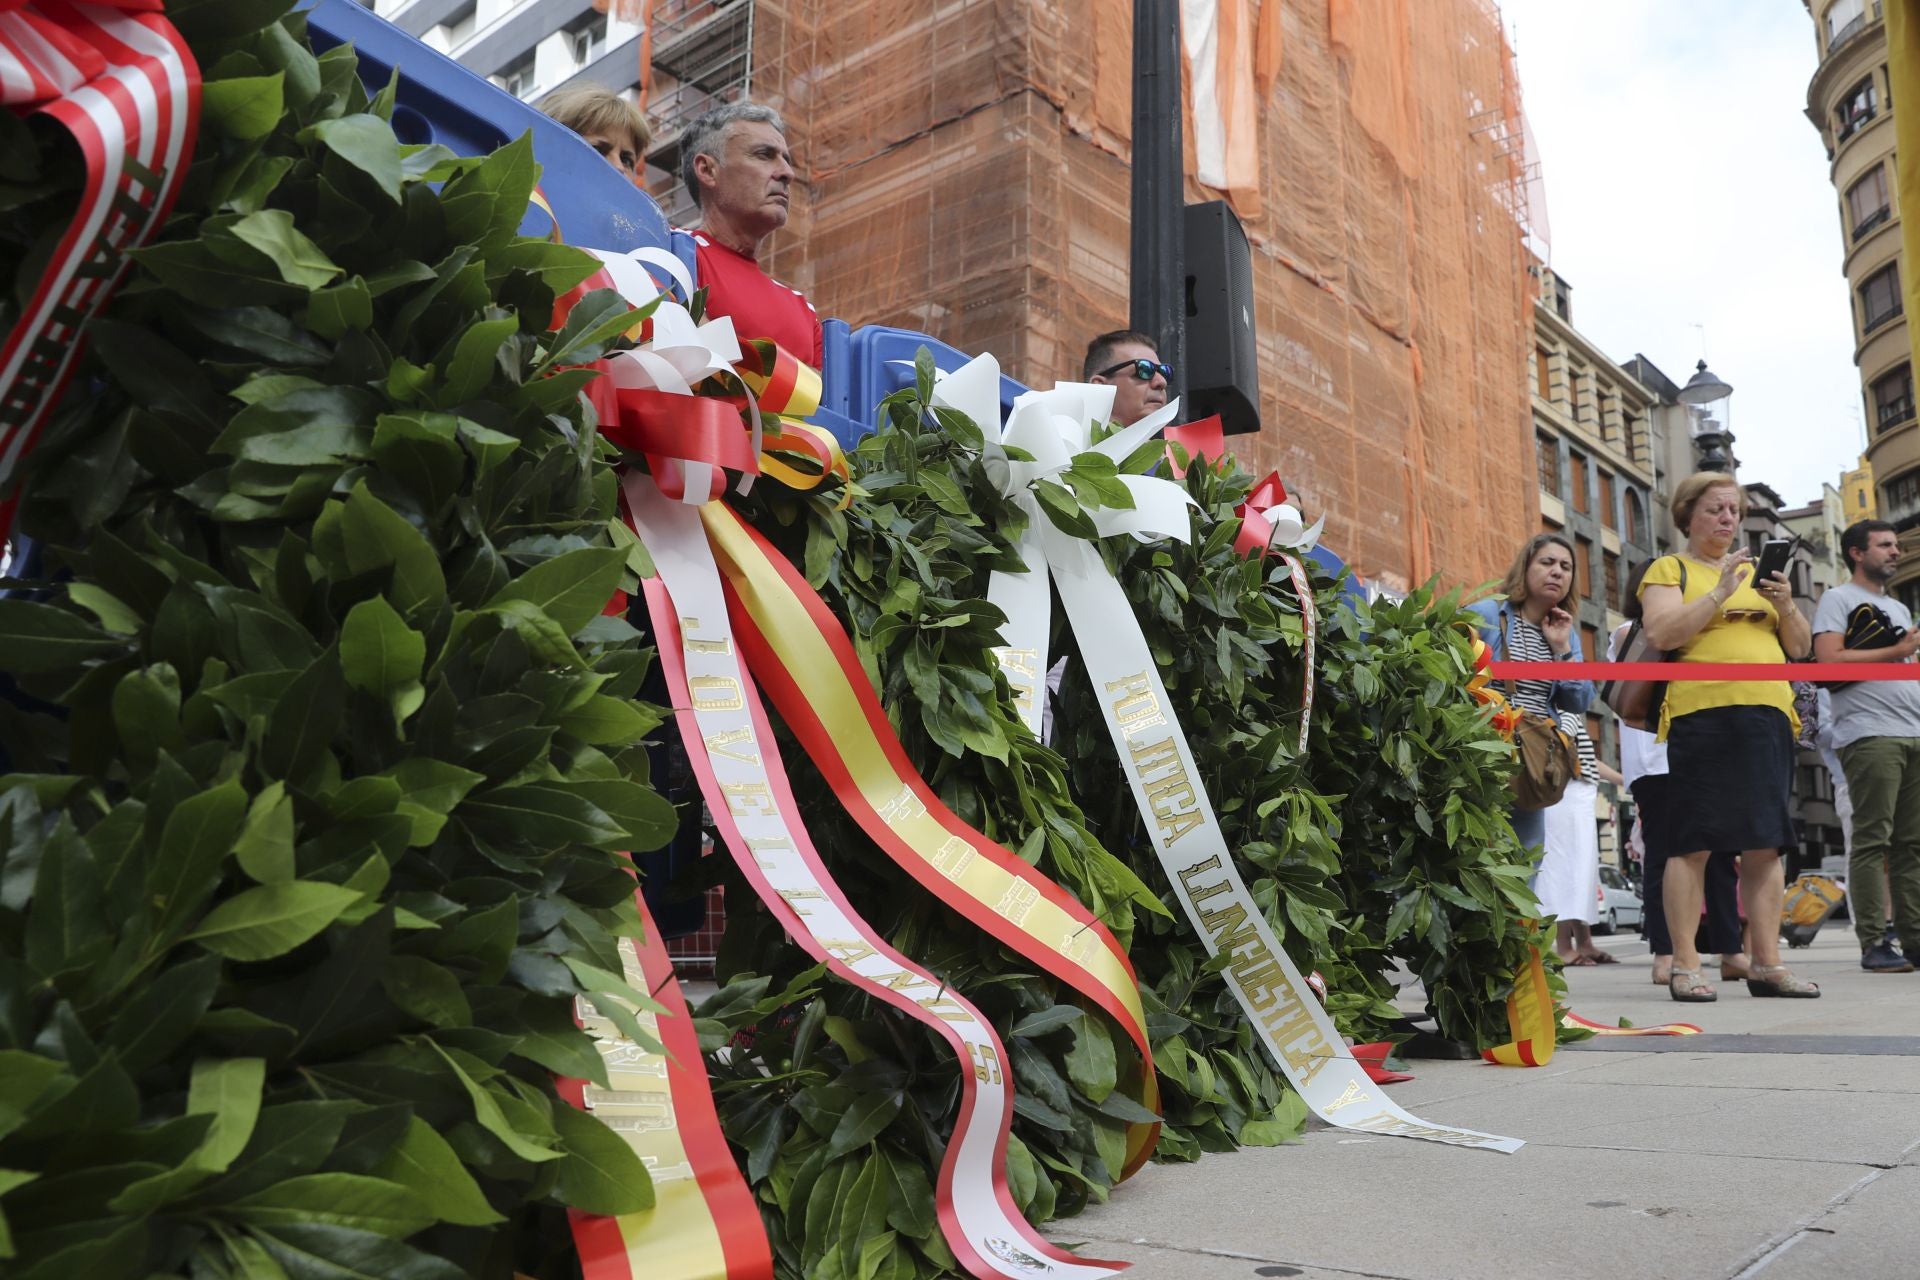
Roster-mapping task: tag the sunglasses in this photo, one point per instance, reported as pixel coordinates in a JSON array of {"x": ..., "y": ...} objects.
[
  {"x": 1746, "y": 615},
  {"x": 1143, "y": 369}
]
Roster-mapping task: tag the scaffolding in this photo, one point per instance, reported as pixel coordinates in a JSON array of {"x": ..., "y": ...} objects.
[
  {"x": 702, "y": 56},
  {"x": 965, "y": 173}
]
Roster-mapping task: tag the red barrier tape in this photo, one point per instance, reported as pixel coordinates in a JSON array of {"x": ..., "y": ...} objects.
[{"x": 1675, "y": 671}]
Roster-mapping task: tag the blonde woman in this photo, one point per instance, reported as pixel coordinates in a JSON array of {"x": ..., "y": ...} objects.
[
  {"x": 1729, "y": 743},
  {"x": 608, "y": 123}
]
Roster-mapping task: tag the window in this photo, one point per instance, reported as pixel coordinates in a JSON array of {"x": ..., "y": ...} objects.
[
  {"x": 1612, "y": 567},
  {"x": 518, "y": 79},
  {"x": 1855, "y": 110},
  {"x": 1901, "y": 496},
  {"x": 1548, "y": 461},
  {"x": 1589, "y": 642},
  {"x": 1867, "y": 202},
  {"x": 1573, "y": 393},
  {"x": 1844, "y": 19},
  {"x": 1880, "y": 298},
  {"x": 1606, "y": 500},
  {"x": 1636, "y": 518},
  {"x": 1583, "y": 568},
  {"x": 589, "y": 42},
  {"x": 1581, "y": 502},
  {"x": 1893, "y": 397},
  {"x": 1541, "y": 376},
  {"x": 1862, "y": 496}
]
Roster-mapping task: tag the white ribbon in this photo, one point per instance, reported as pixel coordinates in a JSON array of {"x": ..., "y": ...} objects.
[
  {"x": 737, "y": 764},
  {"x": 679, "y": 354},
  {"x": 1052, "y": 426}
]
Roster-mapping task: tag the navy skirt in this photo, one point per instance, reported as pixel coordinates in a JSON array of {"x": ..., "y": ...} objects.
[{"x": 1731, "y": 780}]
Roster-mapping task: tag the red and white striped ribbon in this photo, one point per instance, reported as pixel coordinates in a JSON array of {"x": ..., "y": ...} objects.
[{"x": 122, "y": 81}]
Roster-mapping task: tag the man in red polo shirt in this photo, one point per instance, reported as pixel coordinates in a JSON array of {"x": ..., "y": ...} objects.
[{"x": 736, "y": 165}]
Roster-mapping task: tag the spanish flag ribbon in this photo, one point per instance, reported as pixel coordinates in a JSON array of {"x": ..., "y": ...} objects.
[
  {"x": 733, "y": 618},
  {"x": 1530, "y": 1019},
  {"x": 704, "y": 1224}
]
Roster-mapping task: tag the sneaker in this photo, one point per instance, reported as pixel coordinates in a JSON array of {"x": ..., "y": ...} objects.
[{"x": 1882, "y": 958}]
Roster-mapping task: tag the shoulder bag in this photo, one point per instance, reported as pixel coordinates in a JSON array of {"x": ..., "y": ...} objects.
[{"x": 1548, "y": 758}]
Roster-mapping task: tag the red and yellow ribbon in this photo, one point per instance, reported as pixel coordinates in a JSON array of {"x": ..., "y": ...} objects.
[
  {"x": 704, "y": 1224},
  {"x": 806, "y": 664}
]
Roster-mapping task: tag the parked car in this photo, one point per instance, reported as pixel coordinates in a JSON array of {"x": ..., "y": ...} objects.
[{"x": 1619, "y": 904}]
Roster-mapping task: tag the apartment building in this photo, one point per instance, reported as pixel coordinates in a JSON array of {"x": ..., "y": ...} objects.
[{"x": 1849, "y": 102}]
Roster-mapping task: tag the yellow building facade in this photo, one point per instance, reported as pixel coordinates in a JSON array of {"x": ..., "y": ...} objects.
[{"x": 1849, "y": 103}]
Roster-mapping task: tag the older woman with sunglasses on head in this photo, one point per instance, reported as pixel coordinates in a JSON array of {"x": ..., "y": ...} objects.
[{"x": 1729, "y": 743}]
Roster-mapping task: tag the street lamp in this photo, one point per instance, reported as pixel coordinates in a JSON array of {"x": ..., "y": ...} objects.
[{"x": 1707, "y": 399}]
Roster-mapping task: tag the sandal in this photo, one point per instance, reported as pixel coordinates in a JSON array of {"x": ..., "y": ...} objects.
[
  {"x": 1577, "y": 961},
  {"x": 1687, "y": 987},
  {"x": 1778, "y": 980},
  {"x": 1603, "y": 957},
  {"x": 1661, "y": 979}
]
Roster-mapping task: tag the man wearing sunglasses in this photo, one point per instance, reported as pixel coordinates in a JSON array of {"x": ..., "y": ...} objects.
[{"x": 1130, "y": 361}]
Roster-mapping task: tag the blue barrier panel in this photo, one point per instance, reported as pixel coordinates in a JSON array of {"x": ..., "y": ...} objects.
[{"x": 441, "y": 101}]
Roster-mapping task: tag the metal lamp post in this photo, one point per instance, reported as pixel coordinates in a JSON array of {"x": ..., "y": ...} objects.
[
  {"x": 1707, "y": 399},
  {"x": 1158, "y": 283}
]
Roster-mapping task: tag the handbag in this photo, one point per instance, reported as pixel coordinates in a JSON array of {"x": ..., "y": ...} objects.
[
  {"x": 1638, "y": 702},
  {"x": 1548, "y": 758}
]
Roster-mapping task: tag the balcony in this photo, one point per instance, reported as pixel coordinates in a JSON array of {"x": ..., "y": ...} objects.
[
  {"x": 1878, "y": 218},
  {"x": 1840, "y": 38},
  {"x": 1874, "y": 322},
  {"x": 1848, "y": 123},
  {"x": 1894, "y": 412}
]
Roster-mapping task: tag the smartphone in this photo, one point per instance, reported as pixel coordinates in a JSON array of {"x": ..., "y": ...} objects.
[{"x": 1773, "y": 558}]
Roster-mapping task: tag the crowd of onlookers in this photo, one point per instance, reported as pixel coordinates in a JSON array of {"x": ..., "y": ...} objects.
[{"x": 1711, "y": 771}]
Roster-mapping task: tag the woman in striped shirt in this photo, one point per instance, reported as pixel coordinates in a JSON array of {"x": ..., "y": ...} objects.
[{"x": 1531, "y": 622}]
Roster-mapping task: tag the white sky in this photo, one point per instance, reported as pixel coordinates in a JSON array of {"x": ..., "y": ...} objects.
[{"x": 1686, "y": 186}]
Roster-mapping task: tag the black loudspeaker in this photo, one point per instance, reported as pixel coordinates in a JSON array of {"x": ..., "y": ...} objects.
[{"x": 1223, "y": 354}]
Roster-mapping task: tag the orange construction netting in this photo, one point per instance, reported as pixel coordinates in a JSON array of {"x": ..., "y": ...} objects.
[{"x": 967, "y": 176}]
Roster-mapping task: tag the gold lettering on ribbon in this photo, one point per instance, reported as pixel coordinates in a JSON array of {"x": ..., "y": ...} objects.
[
  {"x": 953, "y": 857},
  {"x": 1385, "y": 1122},
  {"x": 1017, "y": 901},
  {"x": 1026, "y": 664},
  {"x": 717, "y": 744},
  {"x": 1171, "y": 796},
  {"x": 986, "y": 1065},
  {"x": 943, "y": 1008},
  {"x": 1348, "y": 1098},
  {"x": 847, "y": 950},
  {"x": 1279, "y": 1006},
  {"x": 794, "y": 897},
  {"x": 724, "y": 645},
  {"x": 1080, "y": 945},
  {"x": 904, "y": 807},
  {"x": 756, "y": 843},
  {"x": 714, "y": 693},
  {"x": 742, "y": 797},
  {"x": 1136, "y": 708}
]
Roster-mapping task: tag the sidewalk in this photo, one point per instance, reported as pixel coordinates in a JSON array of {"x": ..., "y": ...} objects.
[{"x": 1784, "y": 1143}]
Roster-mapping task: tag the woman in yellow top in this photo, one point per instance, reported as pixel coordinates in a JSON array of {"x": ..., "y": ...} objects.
[{"x": 1729, "y": 743}]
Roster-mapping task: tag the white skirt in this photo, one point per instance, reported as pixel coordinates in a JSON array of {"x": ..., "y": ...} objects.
[{"x": 1568, "y": 881}]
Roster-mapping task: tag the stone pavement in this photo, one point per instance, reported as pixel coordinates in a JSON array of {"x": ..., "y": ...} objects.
[{"x": 1785, "y": 1143}]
